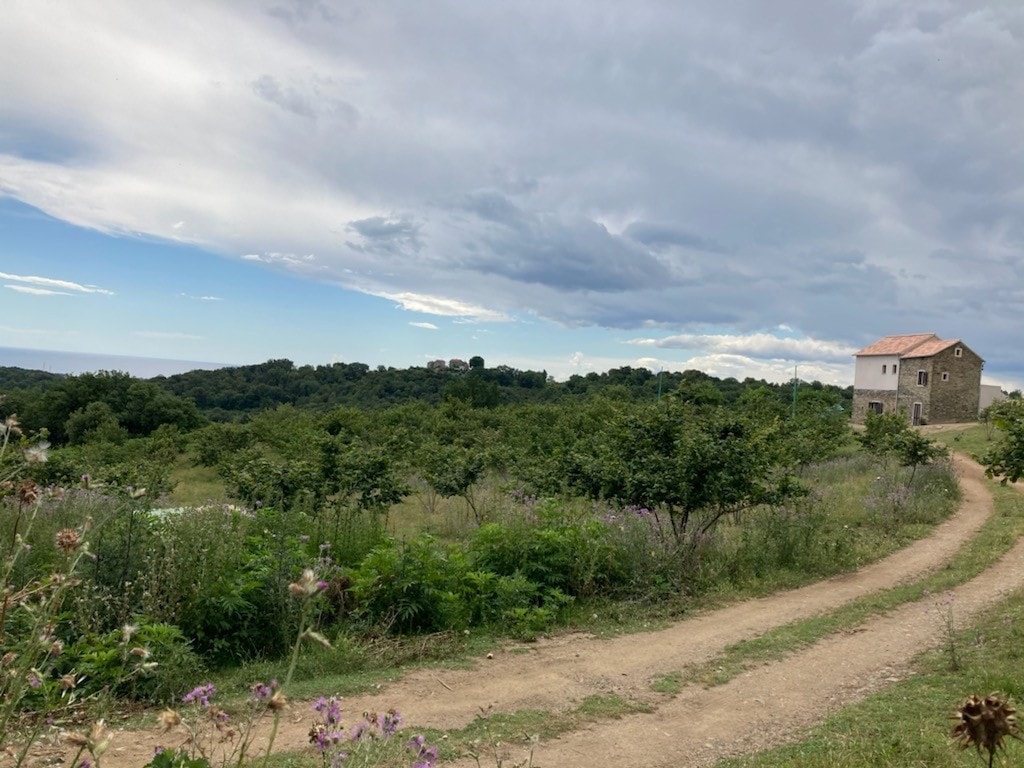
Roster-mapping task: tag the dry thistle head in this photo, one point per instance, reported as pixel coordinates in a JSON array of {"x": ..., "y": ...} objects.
[
  {"x": 67, "y": 540},
  {"x": 9, "y": 426},
  {"x": 277, "y": 701},
  {"x": 38, "y": 453},
  {"x": 168, "y": 719},
  {"x": 985, "y": 723},
  {"x": 27, "y": 493},
  {"x": 307, "y": 585},
  {"x": 99, "y": 738}
]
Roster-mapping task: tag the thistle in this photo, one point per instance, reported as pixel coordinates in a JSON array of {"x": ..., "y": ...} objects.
[{"x": 985, "y": 723}]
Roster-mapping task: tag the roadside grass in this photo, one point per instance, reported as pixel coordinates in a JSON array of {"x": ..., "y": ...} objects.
[
  {"x": 909, "y": 723},
  {"x": 972, "y": 440},
  {"x": 499, "y": 738},
  {"x": 996, "y": 536}
]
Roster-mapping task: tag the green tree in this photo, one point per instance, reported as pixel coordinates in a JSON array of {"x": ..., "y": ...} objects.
[
  {"x": 1005, "y": 460},
  {"x": 889, "y": 435},
  {"x": 453, "y": 470},
  {"x": 695, "y": 464}
]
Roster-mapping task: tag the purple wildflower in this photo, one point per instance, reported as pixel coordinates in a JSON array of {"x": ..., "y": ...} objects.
[
  {"x": 202, "y": 694},
  {"x": 261, "y": 692},
  {"x": 389, "y": 722},
  {"x": 328, "y": 709},
  {"x": 425, "y": 753}
]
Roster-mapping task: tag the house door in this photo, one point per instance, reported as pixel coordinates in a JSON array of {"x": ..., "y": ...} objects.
[{"x": 917, "y": 414}]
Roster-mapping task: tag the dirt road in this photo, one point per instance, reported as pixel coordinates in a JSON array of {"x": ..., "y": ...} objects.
[{"x": 694, "y": 728}]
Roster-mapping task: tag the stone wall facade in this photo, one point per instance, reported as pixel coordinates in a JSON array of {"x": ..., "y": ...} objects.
[
  {"x": 956, "y": 386},
  {"x": 862, "y": 399}
]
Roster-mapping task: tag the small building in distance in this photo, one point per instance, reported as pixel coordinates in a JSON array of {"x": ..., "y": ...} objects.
[{"x": 927, "y": 378}]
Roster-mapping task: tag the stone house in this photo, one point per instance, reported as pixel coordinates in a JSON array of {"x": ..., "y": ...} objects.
[{"x": 929, "y": 379}]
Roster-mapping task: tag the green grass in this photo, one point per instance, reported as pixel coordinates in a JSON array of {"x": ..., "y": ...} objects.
[
  {"x": 494, "y": 739},
  {"x": 909, "y": 723},
  {"x": 971, "y": 439},
  {"x": 195, "y": 486},
  {"x": 996, "y": 536}
]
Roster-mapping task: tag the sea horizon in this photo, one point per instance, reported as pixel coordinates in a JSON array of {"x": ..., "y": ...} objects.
[{"x": 74, "y": 363}]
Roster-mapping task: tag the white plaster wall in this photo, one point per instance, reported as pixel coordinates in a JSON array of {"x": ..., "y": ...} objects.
[{"x": 868, "y": 372}]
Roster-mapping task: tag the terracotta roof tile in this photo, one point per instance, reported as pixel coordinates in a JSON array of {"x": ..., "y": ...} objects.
[
  {"x": 930, "y": 348},
  {"x": 899, "y": 345}
]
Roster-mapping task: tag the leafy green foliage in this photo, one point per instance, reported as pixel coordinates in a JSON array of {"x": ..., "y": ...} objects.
[
  {"x": 890, "y": 435},
  {"x": 1005, "y": 460},
  {"x": 695, "y": 463}
]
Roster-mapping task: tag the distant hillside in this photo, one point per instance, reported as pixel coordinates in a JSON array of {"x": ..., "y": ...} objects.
[
  {"x": 230, "y": 394},
  {"x": 22, "y": 378}
]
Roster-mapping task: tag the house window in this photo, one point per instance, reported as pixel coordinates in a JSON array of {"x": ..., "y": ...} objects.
[
  {"x": 922, "y": 378},
  {"x": 874, "y": 406},
  {"x": 894, "y": 369},
  {"x": 883, "y": 367},
  {"x": 958, "y": 352},
  {"x": 945, "y": 376}
]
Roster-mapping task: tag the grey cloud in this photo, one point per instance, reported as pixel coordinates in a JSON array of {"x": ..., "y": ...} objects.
[
  {"x": 306, "y": 99},
  {"x": 386, "y": 236},
  {"x": 285, "y": 97},
  {"x": 570, "y": 253},
  {"x": 661, "y": 235}
]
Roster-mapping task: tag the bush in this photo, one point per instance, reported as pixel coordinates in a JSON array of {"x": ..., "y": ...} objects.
[{"x": 144, "y": 661}]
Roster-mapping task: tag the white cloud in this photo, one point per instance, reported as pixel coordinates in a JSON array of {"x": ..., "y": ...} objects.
[
  {"x": 760, "y": 345},
  {"x": 427, "y": 326},
  {"x": 440, "y": 305},
  {"x": 51, "y": 283},
  {"x": 36, "y": 291}
]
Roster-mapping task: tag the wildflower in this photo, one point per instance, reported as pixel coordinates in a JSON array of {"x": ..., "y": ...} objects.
[
  {"x": 389, "y": 722},
  {"x": 85, "y": 762},
  {"x": 328, "y": 709},
  {"x": 426, "y": 754},
  {"x": 168, "y": 719},
  {"x": 307, "y": 585},
  {"x": 33, "y": 678},
  {"x": 983, "y": 724},
  {"x": 99, "y": 738},
  {"x": 8, "y": 659},
  {"x": 277, "y": 702},
  {"x": 56, "y": 648},
  {"x": 10, "y": 426},
  {"x": 142, "y": 653},
  {"x": 27, "y": 493},
  {"x": 261, "y": 692},
  {"x": 38, "y": 453},
  {"x": 202, "y": 694},
  {"x": 67, "y": 540},
  {"x": 128, "y": 631}
]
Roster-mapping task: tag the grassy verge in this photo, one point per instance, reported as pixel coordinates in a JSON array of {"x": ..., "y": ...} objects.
[
  {"x": 493, "y": 739},
  {"x": 996, "y": 536},
  {"x": 909, "y": 724}
]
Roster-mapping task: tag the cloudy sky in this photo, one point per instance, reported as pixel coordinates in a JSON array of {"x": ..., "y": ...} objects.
[{"x": 731, "y": 185}]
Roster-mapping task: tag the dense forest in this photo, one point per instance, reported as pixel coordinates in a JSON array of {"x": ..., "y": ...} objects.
[{"x": 115, "y": 400}]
